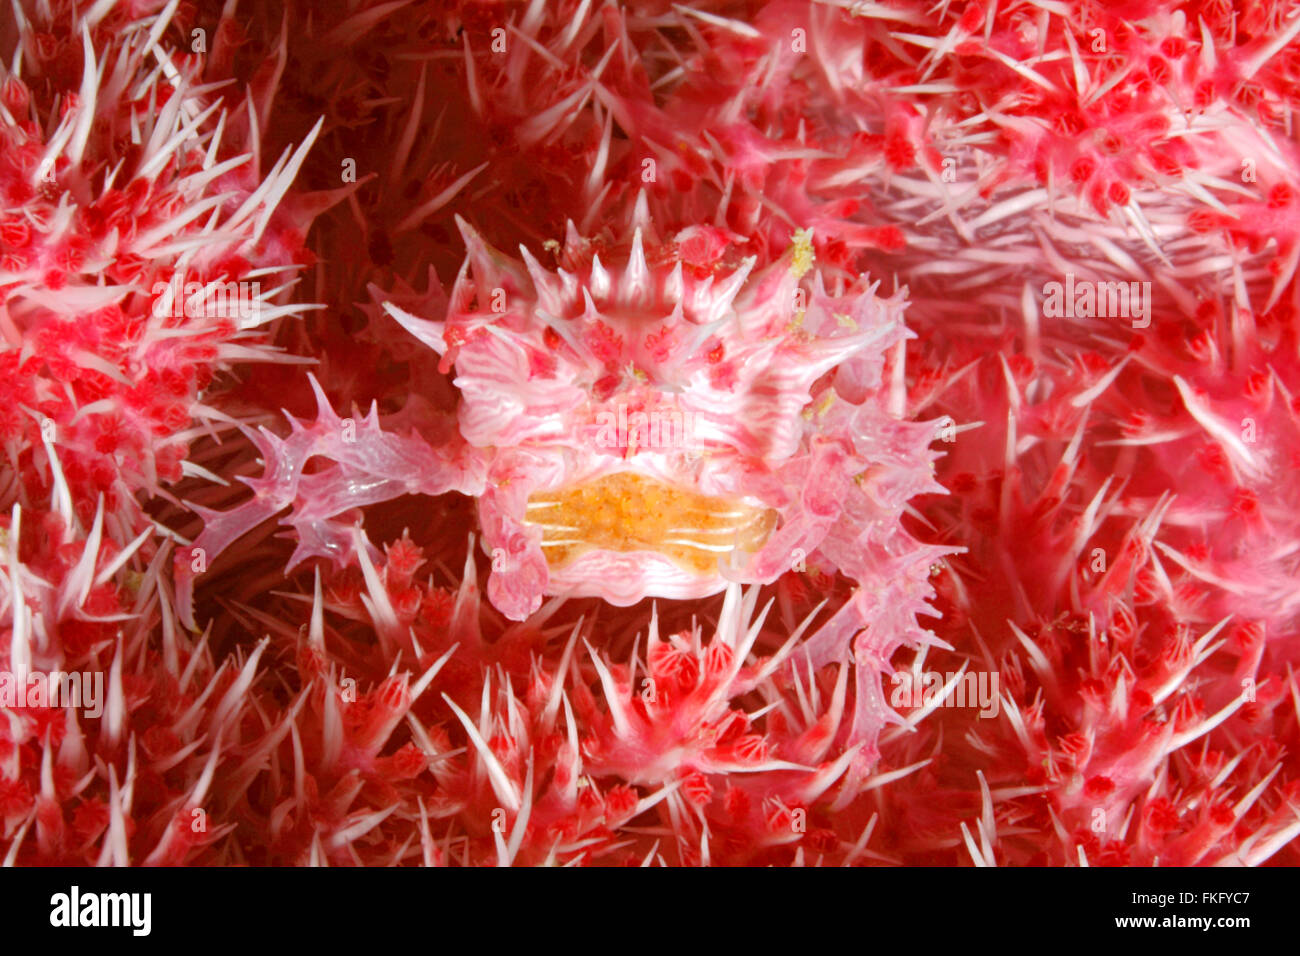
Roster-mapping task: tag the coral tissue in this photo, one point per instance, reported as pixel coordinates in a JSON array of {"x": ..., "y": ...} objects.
[{"x": 743, "y": 432}]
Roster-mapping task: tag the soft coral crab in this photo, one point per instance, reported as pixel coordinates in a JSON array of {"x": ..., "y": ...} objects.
[
  {"x": 576, "y": 383},
  {"x": 798, "y": 455}
]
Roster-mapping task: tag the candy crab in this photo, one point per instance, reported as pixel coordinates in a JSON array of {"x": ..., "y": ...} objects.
[{"x": 649, "y": 418}]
